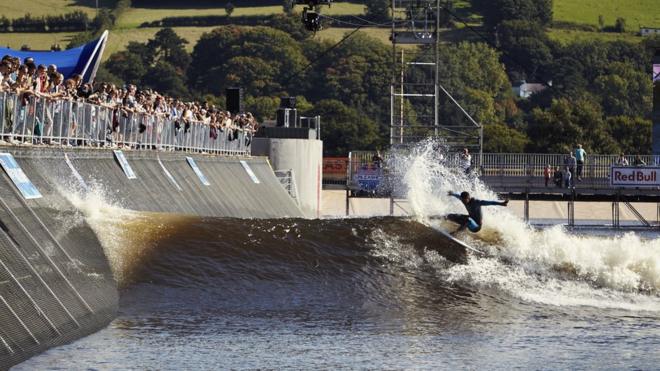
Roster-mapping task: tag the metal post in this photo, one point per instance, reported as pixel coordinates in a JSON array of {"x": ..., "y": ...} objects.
[
  {"x": 436, "y": 51},
  {"x": 401, "y": 106},
  {"x": 526, "y": 205},
  {"x": 348, "y": 203}
]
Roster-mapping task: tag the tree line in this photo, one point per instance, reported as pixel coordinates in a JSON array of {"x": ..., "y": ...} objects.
[{"x": 596, "y": 93}]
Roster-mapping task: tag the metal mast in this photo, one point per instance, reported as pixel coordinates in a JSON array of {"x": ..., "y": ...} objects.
[{"x": 416, "y": 89}]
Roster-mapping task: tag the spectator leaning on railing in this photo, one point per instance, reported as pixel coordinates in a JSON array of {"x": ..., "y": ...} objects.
[{"x": 46, "y": 84}]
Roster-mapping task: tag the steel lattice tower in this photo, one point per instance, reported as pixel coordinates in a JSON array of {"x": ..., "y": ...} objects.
[{"x": 416, "y": 89}]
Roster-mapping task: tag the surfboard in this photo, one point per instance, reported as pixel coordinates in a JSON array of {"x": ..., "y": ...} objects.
[{"x": 458, "y": 242}]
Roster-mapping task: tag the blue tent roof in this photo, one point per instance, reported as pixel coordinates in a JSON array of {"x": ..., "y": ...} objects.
[{"x": 83, "y": 60}]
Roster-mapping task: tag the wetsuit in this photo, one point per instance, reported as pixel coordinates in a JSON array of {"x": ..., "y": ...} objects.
[{"x": 473, "y": 220}]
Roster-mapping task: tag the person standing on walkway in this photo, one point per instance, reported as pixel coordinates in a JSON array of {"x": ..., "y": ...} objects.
[
  {"x": 622, "y": 161},
  {"x": 580, "y": 157},
  {"x": 547, "y": 174},
  {"x": 567, "y": 176},
  {"x": 466, "y": 160},
  {"x": 570, "y": 163},
  {"x": 558, "y": 177}
]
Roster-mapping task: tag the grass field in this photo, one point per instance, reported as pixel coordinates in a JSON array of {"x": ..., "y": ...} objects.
[
  {"x": 636, "y": 12},
  {"x": 18, "y": 8},
  {"x": 36, "y": 41},
  {"x": 569, "y": 36},
  {"x": 337, "y": 33},
  {"x": 133, "y": 17},
  {"x": 117, "y": 40}
]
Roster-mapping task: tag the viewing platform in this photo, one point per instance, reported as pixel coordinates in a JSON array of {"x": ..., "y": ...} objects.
[{"x": 520, "y": 177}]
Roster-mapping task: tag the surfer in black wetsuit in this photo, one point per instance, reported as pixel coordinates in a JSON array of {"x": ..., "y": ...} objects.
[{"x": 472, "y": 221}]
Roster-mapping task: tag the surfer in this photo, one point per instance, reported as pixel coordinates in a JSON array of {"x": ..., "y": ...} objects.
[{"x": 472, "y": 221}]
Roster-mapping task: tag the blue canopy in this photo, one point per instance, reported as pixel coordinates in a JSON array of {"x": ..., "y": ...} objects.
[{"x": 83, "y": 60}]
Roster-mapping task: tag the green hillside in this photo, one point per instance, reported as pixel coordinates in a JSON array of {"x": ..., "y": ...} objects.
[
  {"x": 127, "y": 26},
  {"x": 18, "y": 8},
  {"x": 636, "y": 12}
]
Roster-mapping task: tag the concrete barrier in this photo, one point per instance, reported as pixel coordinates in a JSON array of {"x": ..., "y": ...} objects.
[
  {"x": 305, "y": 158},
  {"x": 55, "y": 281}
]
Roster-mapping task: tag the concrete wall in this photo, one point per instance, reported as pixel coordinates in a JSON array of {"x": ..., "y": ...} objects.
[
  {"x": 231, "y": 193},
  {"x": 55, "y": 281},
  {"x": 305, "y": 157}
]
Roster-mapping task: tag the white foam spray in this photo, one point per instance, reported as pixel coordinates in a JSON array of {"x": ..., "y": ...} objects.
[
  {"x": 127, "y": 236},
  {"x": 547, "y": 266}
]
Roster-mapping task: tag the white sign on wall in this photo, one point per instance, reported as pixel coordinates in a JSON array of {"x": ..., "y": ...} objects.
[
  {"x": 626, "y": 176},
  {"x": 21, "y": 181},
  {"x": 249, "y": 172},
  {"x": 123, "y": 162},
  {"x": 197, "y": 171},
  {"x": 75, "y": 172}
]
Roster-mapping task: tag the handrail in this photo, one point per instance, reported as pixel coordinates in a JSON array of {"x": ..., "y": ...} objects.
[
  {"x": 516, "y": 169},
  {"x": 47, "y": 121}
]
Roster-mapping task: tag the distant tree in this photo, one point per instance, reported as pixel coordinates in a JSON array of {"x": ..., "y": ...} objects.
[
  {"x": 263, "y": 108},
  {"x": 102, "y": 74},
  {"x": 496, "y": 11},
  {"x": 344, "y": 128},
  {"x": 377, "y": 9},
  {"x": 229, "y": 8},
  {"x": 474, "y": 76},
  {"x": 164, "y": 78},
  {"x": 355, "y": 73},
  {"x": 527, "y": 49},
  {"x": 169, "y": 47},
  {"x": 567, "y": 122},
  {"x": 623, "y": 90},
  {"x": 289, "y": 23},
  {"x": 142, "y": 51},
  {"x": 255, "y": 75},
  {"x": 500, "y": 138},
  {"x": 127, "y": 66},
  {"x": 633, "y": 134},
  {"x": 274, "y": 51},
  {"x": 620, "y": 25}
]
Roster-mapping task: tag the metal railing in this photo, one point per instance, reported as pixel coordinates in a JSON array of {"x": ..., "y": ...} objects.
[
  {"x": 516, "y": 169},
  {"x": 505, "y": 170},
  {"x": 60, "y": 122}
]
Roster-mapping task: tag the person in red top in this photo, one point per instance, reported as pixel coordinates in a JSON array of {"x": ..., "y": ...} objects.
[{"x": 547, "y": 174}]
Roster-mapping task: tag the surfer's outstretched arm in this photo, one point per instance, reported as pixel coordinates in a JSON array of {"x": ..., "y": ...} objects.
[
  {"x": 495, "y": 203},
  {"x": 454, "y": 194}
]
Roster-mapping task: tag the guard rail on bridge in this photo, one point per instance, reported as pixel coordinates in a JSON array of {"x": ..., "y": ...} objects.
[{"x": 504, "y": 172}]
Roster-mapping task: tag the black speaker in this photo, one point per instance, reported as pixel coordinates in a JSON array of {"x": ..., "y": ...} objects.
[
  {"x": 287, "y": 117},
  {"x": 234, "y": 100},
  {"x": 288, "y": 102}
]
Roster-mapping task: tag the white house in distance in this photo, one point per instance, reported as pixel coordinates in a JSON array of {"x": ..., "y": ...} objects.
[
  {"x": 648, "y": 31},
  {"x": 524, "y": 90}
]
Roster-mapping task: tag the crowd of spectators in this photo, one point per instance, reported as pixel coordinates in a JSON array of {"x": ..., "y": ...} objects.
[{"x": 27, "y": 80}]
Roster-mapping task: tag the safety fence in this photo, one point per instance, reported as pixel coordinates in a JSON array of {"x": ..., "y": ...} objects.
[
  {"x": 509, "y": 169},
  {"x": 63, "y": 122},
  {"x": 503, "y": 169}
]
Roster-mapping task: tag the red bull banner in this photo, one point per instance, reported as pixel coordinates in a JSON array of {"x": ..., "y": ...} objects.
[
  {"x": 335, "y": 168},
  {"x": 635, "y": 177}
]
